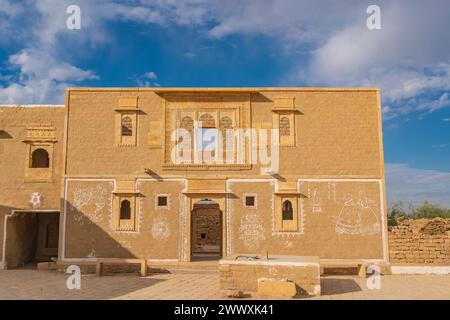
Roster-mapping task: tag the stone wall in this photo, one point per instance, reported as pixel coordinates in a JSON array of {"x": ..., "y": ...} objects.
[
  {"x": 420, "y": 241},
  {"x": 243, "y": 275}
]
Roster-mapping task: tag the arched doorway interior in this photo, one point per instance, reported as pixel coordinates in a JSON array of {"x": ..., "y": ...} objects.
[{"x": 206, "y": 233}]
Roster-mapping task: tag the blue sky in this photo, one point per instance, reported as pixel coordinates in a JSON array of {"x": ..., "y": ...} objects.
[{"x": 251, "y": 43}]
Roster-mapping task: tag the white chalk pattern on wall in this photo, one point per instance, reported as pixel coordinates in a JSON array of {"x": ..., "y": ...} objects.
[
  {"x": 35, "y": 200},
  {"x": 160, "y": 229},
  {"x": 317, "y": 201},
  {"x": 251, "y": 231},
  {"x": 92, "y": 254},
  {"x": 90, "y": 196},
  {"x": 332, "y": 191},
  {"x": 357, "y": 217}
]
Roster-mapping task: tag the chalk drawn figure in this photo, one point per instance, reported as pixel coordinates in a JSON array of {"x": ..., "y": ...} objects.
[
  {"x": 357, "y": 217},
  {"x": 317, "y": 201},
  {"x": 332, "y": 191}
]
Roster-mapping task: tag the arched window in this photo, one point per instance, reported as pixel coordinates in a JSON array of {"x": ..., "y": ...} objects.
[
  {"x": 187, "y": 123},
  {"x": 127, "y": 126},
  {"x": 226, "y": 123},
  {"x": 40, "y": 159},
  {"x": 125, "y": 210},
  {"x": 207, "y": 120},
  {"x": 287, "y": 213},
  {"x": 285, "y": 127}
]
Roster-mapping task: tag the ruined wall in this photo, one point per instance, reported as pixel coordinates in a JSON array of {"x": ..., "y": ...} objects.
[{"x": 420, "y": 241}]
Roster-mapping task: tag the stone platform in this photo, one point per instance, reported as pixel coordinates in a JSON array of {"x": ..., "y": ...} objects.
[{"x": 250, "y": 275}]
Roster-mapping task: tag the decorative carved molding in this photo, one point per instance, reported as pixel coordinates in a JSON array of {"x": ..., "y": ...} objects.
[{"x": 37, "y": 133}]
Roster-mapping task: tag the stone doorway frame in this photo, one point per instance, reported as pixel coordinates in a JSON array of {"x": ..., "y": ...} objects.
[
  {"x": 192, "y": 235},
  {"x": 193, "y": 198},
  {"x": 14, "y": 212}
]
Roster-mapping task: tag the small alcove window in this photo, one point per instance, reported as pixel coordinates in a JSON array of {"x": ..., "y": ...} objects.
[
  {"x": 40, "y": 159},
  {"x": 125, "y": 210},
  {"x": 127, "y": 126},
  {"x": 187, "y": 123},
  {"x": 250, "y": 201},
  {"x": 162, "y": 201},
  {"x": 287, "y": 212},
  {"x": 285, "y": 126}
]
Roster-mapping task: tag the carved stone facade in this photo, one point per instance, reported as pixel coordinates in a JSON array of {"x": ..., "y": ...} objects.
[{"x": 111, "y": 167}]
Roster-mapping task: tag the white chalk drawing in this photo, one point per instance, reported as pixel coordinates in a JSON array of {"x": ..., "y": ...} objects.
[
  {"x": 317, "y": 201},
  {"x": 273, "y": 271},
  {"x": 35, "y": 200},
  {"x": 251, "y": 231},
  {"x": 92, "y": 253},
  {"x": 332, "y": 191},
  {"x": 288, "y": 244},
  {"x": 229, "y": 214},
  {"x": 160, "y": 229},
  {"x": 90, "y": 196},
  {"x": 357, "y": 217}
]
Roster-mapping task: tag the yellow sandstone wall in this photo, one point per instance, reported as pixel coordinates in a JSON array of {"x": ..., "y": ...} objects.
[
  {"x": 322, "y": 230},
  {"x": 89, "y": 229},
  {"x": 15, "y": 190},
  {"x": 338, "y": 136},
  {"x": 335, "y": 165}
]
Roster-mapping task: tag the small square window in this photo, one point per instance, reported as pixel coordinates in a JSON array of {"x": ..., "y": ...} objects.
[
  {"x": 162, "y": 201},
  {"x": 203, "y": 236},
  {"x": 250, "y": 201}
]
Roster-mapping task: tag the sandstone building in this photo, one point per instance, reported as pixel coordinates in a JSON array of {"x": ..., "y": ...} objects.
[{"x": 102, "y": 177}]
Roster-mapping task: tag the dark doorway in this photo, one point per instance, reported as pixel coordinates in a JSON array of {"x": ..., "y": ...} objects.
[
  {"x": 31, "y": 237},
  {"x": 206, "y": 231}
]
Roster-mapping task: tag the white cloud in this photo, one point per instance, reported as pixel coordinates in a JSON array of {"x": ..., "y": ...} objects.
[
  {"x": 443, "y": 145},
  {"x": 405, "y": 58},
  {"x": 442, "y": 102},
  {"x": 10, "y": 8},
  {"x": 446, "y": 119},
  {"x": 417, "y": 185},
  {"x": 148, "y": 79},
  {"x": 131, "y": 13},
  {"x": 151, "y": 75},
  {"x": 41, "y": 78},
  {"x": 9, "y": 11},
  {"x": 190, "y": 55}
]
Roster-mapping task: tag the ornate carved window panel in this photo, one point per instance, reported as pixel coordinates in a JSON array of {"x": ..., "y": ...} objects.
[
  {"x": 194, "y": 115},
  {"x": 39, "y": 140},
  {"x": 126, "y": 122},
  {"x": 124, "y": 206},
  {"x": 284, "y": 120}
]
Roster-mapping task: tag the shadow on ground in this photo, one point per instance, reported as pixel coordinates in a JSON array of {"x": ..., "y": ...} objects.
[
  {"x": 52, "y": 285},
  {"x": 332, "y": 286}
]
